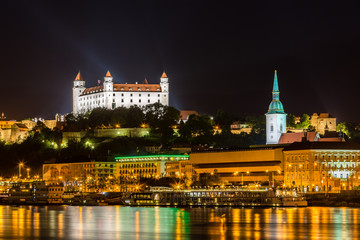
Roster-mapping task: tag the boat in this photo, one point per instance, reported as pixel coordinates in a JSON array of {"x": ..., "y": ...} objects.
[
  {"x": 28, "y": 193},
  {"x": 216, "y": 197}
]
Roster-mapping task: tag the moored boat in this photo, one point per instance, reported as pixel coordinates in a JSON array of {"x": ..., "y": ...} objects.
[{"x": 215, "y": 197}]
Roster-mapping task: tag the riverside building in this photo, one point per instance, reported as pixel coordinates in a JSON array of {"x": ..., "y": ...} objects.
[
  {"x": 111, "y": 95},
  {"x": 151, "y": 166}
]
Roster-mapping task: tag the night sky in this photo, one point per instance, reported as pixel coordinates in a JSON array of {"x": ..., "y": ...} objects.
[{"x": 218, "y": 55}]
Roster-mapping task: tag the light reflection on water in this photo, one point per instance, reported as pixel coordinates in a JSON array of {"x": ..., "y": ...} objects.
[{"x": 115, "y": 222}]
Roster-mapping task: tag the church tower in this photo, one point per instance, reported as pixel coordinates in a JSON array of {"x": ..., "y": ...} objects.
[
  {"x": 275, "y": 117},
  {"x": 78, "y": 89}
]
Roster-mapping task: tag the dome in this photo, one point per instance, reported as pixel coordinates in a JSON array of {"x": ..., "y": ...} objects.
[{"x": 276, "y": 107}]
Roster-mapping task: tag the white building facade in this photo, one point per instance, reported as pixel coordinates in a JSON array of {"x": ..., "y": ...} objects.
[
  {"x": 111, "y": 95},
  {"x": 275, "y": 117}
]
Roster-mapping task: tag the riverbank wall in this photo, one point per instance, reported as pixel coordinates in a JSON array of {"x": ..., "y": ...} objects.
[{"x": 343, "y": 199}]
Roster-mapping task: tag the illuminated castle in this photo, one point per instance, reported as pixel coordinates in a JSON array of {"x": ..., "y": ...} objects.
[
  {"x": 275, "y": 117},
  {"x": 111, "y": 95}
]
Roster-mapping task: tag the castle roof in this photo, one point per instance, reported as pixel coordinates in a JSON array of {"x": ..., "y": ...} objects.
[
  {"x": 126, "y": 88},
  {"x": 108, "y": 74},
  {"x": 275, "y": 105},
  {"x": 79, "y": 77},
  {"x": 137, "y": 87},
  {"x": 164, "y": 75}
]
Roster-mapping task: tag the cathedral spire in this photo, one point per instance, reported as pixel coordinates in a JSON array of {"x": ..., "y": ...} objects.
[
  {"x": 275, "y": 92},
  {"x": 275, "y": 105}
]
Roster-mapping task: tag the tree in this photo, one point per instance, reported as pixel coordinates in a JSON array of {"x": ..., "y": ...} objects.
[
  {"x": 196, "y": 126},
  {"x": 223, "y": 120},
  {"x": 290, "y": 120},
  {"x": 161, "y": 120},
  {"x": 257, "y": 123},
  {"x": 348, "y": 129},
  {"x": 305, "y": 121}
]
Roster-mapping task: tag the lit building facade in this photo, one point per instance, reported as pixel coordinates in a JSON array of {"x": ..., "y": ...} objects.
[
  {"x": 275, "y": 117},
  {"x": 79, "y": 171},
  {"x": 323, "y": 122},
  {"x": 152, "y": 166},
  {"x": 179, "y": 169},
  {"x": 111, "y": 95},
  {"x": 243, "y": 166},
  {"x": 322, "y": 166}
]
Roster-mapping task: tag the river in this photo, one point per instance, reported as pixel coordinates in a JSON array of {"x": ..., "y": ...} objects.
[{"x": 116, "y": 222}]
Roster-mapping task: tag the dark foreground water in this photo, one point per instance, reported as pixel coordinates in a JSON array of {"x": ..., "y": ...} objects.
[{"x": 114, "y": 222}]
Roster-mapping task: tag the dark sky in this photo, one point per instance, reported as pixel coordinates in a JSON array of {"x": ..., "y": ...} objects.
[{"x": 216, "y": 54}]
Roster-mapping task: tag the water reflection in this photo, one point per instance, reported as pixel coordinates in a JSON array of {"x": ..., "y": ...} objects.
[{"x": 114, "y": 222}]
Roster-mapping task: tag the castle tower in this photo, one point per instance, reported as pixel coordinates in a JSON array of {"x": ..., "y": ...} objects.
[
  {"x": 164, "y": 84},
  {"x": 275, "y": 117},
  {"x": 78, "y": 89},
  {"x": 108, "y": 89},
  {"x": 108, "y": 82}
]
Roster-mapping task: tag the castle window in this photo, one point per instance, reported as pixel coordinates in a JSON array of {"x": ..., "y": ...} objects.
[
  {"x": 122, "y": 94},
  {"x": 148, "y": 100},
  {"x": 148, "y": 95},
  {"x": 139, "y": 100},
  {"x": 130, "y": 100},
  {"x": 139, "y": 95},
  {"x": 158, "y": 95},
  {"x": 113, "y": 94},
  {"x": 281, "y": 127},
  {"x": 122, "y": 100},
  {"x": 271, "y": 127},
  {"x": 130, "y": 94}
]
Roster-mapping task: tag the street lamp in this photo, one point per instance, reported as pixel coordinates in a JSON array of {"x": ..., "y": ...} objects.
[
  {"x": 28, "y": 172},
  {"x": 20, "y": 165}
]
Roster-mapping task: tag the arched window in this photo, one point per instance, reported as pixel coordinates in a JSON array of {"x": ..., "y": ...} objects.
[
  {"x": 281, "y": 127},
  {"x": 271, "y": 128}
]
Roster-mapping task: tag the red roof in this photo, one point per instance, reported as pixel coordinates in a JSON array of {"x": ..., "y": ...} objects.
[
  {"x": 297, "y": 137},
  {"x": 185, "y": 114},
  {"x": 137, "y": 87},
  {"x": 164, "y": 75},
  {"x": 79, "y": 77},
  {"x": 127, "y": 88},
  {"x": 93, "y": 89},
  {"x": 108, "y": 74}
]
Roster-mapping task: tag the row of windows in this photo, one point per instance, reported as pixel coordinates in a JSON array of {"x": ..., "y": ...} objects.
[
  {"x": 138, "y": 165},
  {"x": 102, "y": 96},
  {"x": 138, "y": 171},
  {"x": 324, "y": 157}
]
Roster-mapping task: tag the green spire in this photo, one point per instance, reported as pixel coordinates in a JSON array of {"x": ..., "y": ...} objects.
[
  {"x": 275, "y": 105},
  {"x": 275, "y": 92}
]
